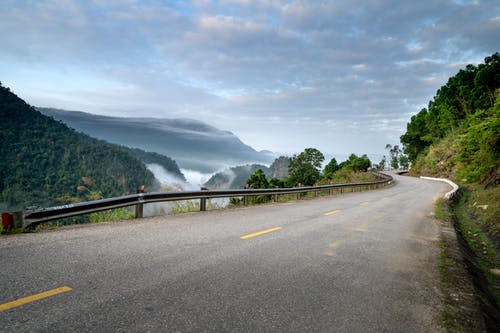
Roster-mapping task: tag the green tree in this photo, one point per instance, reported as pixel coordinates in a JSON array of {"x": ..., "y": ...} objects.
[
  {"x": 381, "y": 165},
  {"x": 404, "y": 162},
  {"x": 395, "y": 153},
  {"x": 305, "y": 167},
  {"x": 330, "y": 168},
  {"x": 258, "y": 180},
  {"x": 356, "y": 163}
]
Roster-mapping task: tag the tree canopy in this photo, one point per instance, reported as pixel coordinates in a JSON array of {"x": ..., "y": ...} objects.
[
  {"x": 305, "y": 167},
  {"x": 472, "y": 90}
]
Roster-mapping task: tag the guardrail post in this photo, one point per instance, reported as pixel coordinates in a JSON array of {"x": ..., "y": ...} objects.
[
  {"x": 139, "y": 208},
  {"x": 139, "y": 211},
  {"x": 245, "y": 200},
  {"x": 276, "y": 197},
  {"x": 203, "y": 201}
]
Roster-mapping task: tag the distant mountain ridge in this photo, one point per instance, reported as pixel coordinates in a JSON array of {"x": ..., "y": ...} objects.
[
  {"x": 44, "y": 162},
  {"x": 195, "y": 145}
]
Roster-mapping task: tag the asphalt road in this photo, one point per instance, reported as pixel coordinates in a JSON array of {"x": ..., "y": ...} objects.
[{"x": 360, "y": 262}]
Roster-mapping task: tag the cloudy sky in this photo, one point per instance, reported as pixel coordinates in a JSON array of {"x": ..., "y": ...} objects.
[{"x": 341, "y": 76}]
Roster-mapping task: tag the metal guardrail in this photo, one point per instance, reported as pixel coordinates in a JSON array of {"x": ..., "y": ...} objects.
[{"x": 31, "y": 218}]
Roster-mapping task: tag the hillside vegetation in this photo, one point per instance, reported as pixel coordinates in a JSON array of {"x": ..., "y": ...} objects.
[
  {"x": 458, "y": 137},
  {"x": 44, "y": 163}
]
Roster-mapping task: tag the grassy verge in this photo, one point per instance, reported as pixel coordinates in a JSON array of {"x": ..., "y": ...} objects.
[
  {"x": 476, "y": 227},
  {"x": 467, "y": 264}
]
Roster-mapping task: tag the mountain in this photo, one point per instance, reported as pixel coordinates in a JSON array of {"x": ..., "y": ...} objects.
[
  {"x": 192, "y": 143},
  {"x": 44, "y": 162},
  {"x": 165, "y": 162},
  {"x": 234, "y": 177}
]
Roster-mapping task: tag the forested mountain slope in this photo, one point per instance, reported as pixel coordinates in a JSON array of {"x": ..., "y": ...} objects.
[
  {"x": 465, "y": 117},
  {"x": 43, "y": 162}
]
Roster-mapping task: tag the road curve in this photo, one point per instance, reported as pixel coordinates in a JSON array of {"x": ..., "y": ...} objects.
[{"x": 357, "y": 262}]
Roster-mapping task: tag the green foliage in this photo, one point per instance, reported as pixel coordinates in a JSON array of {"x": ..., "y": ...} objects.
[
  {"x": 113, "y": 215},
  {"x": 330, "y": 168},
  {"x": 304, "y": 168},
  {"x": 472, "y": 230},
  {"x": 356, "y": 163},
  {"x": 381, "y": 165},
  {"x": 398, "y": 159},
  {"x": 43, "y": 161},
  {"x": 468, "y": 156},
  {"x": 277, "y": 183},
  {"x": 257, "y": 180},
  {"x": 347, "y": 175},
  {"x": 466, "y": 94}
]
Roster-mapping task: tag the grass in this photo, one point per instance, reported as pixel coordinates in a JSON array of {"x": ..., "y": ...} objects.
[
  {"x": 475, "y": 227},
  {"x": 118, "y": 214},
  {"x": 448, "y": 314},
  {"x": 453, "y": 275}
]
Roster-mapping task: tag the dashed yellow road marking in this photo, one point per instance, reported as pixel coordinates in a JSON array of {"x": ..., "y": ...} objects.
[
  {"x": 365, "y": 203},
  {"x": 29, "y": 299},
  {"x": 332, "y": 212},
  {"x": 260, "y": 233},
  {"x": 361, "y": 229},
  {"x": 329, "y": 251}
]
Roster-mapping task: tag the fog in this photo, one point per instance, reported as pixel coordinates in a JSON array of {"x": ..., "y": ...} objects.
[{"x": 171, "y": 183}]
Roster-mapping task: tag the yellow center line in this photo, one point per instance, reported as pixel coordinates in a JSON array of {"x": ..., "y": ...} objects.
[
  {"x": 332, "y": 212},
  {"x": 260, "y": 233},
  {"x": 29, "y": 299}
]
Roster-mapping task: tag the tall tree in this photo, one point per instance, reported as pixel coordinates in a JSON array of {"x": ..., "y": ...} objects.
[
  {"x": 331, "y": 168},
  {"x": 395, "y": 153},
  {"x": 305, "y": 167}
]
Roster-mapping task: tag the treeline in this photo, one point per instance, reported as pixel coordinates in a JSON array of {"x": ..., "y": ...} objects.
[
  {"x": 44, "y": 163},
  {"x": 464, "y": 117},
  {"x": 304, "y": 169}
]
